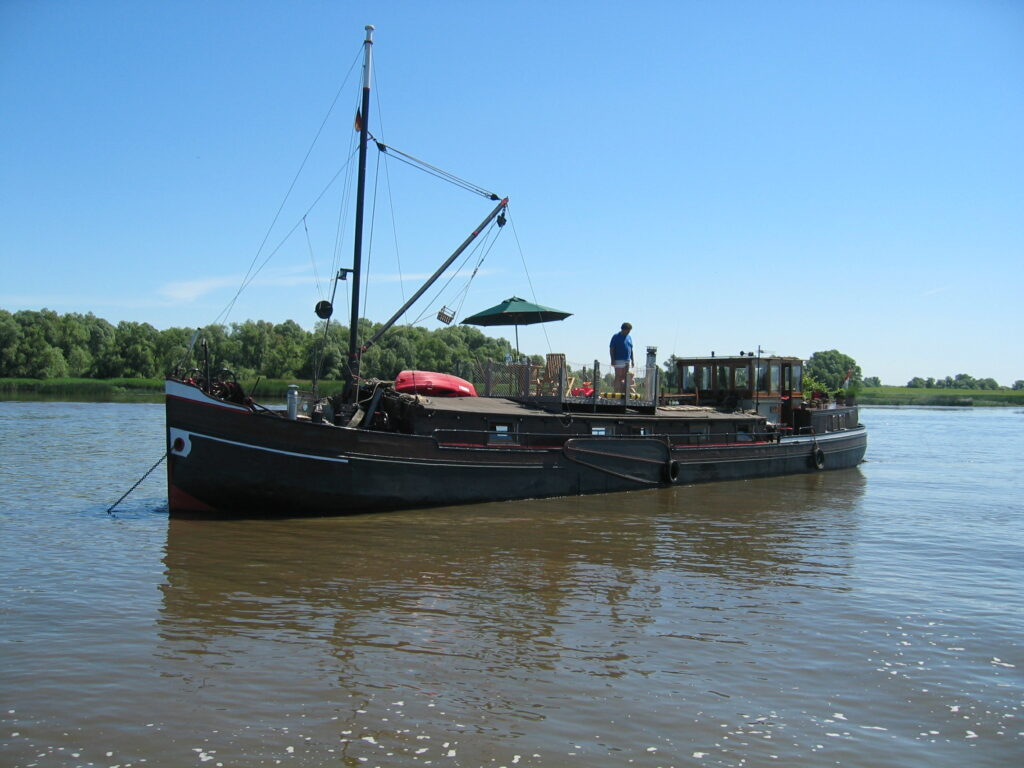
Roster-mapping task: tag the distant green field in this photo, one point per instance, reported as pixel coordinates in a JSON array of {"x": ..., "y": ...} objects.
[
  {"x": 961, "y": 397},
  {"x": 80, "y": 387},
  {"x": 146, "y": 389}
]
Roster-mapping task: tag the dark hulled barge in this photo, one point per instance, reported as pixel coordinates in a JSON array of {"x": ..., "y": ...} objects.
[
  {"x": 733, "y": 418},
  {"x": 530, "y": 433}
]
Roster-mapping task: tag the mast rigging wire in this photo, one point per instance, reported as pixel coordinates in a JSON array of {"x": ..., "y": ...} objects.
[
  {"x": 433, "y": 170},
  {"x": 526, "y": 270},
  {"x": 312, "y": 260},
  {"x": 483, "y": 248},
  {"x": 246, "y": 279}
]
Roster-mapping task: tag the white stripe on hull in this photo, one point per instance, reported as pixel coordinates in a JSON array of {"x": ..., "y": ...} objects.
[{"x": 186, "y": 437}]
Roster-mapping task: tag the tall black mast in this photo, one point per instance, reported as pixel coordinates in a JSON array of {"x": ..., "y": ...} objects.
[{"x": 364, "y": 118}]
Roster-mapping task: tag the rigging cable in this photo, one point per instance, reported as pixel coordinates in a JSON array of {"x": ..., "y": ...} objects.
[
  {"x": 343, "y": 217},
  {"x": 246, "y": 283},
  {"x": 312, "y": 260},
  {"x": 387, "y": 186},
  {"x": 465, "y": 290},
  {"x": 369, "y": 239},
  {"x": 481, "y": 247},
  {"x": 247, "y": 279},
  {"x": 526, "y": 270},
  {"x": 433, "y": 170},
  {"x": 320, "y": 354}
]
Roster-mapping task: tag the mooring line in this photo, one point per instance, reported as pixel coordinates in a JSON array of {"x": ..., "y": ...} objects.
[{"x": 110, "y": 511}]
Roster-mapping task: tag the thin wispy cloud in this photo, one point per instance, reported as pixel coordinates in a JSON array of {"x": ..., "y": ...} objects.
[
  {"x": 187, "y": 291},
  {"x": 190, "y": 290}
]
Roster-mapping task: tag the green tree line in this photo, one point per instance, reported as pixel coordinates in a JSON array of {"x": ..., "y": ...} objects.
[
  {"x": 830, "y": 368},
  {"x": 960, "y": 381},
  {"x": 46, "y": 345}
]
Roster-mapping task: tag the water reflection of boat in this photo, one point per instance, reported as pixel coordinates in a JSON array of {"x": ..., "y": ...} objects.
[
  {"x": 510, "y": 570},
  {"x": 531, "y": 435}
]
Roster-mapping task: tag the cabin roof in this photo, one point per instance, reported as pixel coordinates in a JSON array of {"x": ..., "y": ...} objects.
[
  {"x": 733, "y": 359},
  {"x": 497, "y": 406}
]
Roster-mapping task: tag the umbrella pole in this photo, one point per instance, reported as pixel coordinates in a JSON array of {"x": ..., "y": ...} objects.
[{"x": 518, "y": 356}]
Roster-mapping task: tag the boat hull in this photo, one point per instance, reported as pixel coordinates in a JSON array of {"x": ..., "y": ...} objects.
[{"x": 226, "y": 460}]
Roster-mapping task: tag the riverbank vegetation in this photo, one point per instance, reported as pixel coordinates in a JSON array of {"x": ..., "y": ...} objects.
[
  {"x": 45, "y": 354},
  {"x": 139, "y": 389},
  {"x": 954, "y": 397},
  {"x": 47, "y": 346}
]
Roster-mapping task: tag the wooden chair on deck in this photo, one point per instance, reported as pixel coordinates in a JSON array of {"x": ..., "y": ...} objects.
[{"x": 549, "y": 380}]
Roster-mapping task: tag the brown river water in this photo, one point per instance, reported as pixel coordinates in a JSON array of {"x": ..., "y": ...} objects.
[{"x": 866, "y": 617}]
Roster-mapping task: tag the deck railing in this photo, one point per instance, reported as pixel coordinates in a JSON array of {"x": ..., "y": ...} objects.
[
  {"x": 559, "y": 381},
  {"x": 471, "y": 438}
]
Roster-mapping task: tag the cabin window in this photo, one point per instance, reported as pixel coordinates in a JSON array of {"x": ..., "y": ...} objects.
[
  {"x": 762, "y": 377},
  {"x": 601, "y": 431},
  {"x": 722, "y": 378},
  {"x": 743, "y": 377},
  {"x": 787, "y": 379},
  {"x": 798, "y": 377},
  {"x": 775, "y": 377},
  {"x": 743, "y": 433},
  {"x": 689, "y": 384},
  {"x": 704, "y": 377},
  {"x": 501, "y": 434}
]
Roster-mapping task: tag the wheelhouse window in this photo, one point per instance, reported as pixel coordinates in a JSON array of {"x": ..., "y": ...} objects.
[
  {"x": 762, "y": 377},
  {"x": 722, "y": 378},
  {"x": 798, "y": 377},
  {"x": 776, "y": 369},
  {"x": 689, "y": 384},
  {"x": 704, "y": 377},
  {"x": 742, "y": 377}
]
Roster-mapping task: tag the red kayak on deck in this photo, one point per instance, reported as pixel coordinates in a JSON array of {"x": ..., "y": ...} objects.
[{"x": 434, "y": 384}]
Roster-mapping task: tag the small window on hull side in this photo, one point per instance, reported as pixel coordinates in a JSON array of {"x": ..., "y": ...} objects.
[
  {"x": 699, "y": 433},
  {"x": 501, "y": 434}
]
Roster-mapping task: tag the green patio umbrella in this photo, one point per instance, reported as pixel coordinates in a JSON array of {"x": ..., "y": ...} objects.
[{"x": 516, "y": 312}]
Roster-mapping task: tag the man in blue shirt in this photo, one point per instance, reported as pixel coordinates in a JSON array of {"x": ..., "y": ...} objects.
[{"x": 621, "y": 351}]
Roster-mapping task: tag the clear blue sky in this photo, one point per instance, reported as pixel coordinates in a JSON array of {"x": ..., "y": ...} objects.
[{"x": 797, "y": 175}]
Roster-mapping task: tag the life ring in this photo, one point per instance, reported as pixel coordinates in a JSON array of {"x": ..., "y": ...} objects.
[
  {"x": 671, "y": 471},
  {"x": 818, "y": 458}
]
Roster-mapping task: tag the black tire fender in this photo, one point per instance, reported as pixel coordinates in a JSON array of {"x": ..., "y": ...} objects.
[{"x": 818, "y": 458}]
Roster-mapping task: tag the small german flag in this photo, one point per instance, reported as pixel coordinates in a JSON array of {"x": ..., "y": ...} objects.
[{"x": 359, "y": 120}]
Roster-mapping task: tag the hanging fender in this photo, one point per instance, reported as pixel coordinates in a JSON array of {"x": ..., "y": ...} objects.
[{"x": 818, "y": 457}]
